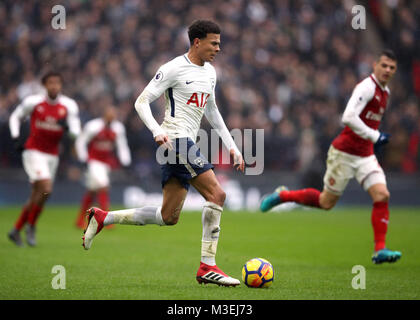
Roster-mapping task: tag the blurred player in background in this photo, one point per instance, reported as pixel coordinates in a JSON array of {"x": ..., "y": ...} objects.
[
  {"x": 50, "y": 114},
  {"x": 351, "y": 155},
  {"x": 188, "y": 83},
  {"x": 96, "y": 146}
]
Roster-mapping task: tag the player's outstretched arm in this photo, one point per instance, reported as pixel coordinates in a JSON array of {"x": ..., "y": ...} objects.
[
  {"x": 165, "y": 78},
  {"x": 361, "y": 95},
  {"x": 83, "y": 140},
  {"x": 14, "y": 122},
  {"x": 238, "y": 160},
  {"x": 123, "y": 151},
  {"x": 73, "y": 120},
  {"x": 23, "y": 110},
  {"x": 142, "y": 106}
]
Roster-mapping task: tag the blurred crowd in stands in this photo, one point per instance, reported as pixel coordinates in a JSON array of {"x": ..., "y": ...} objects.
[{"x": 286, "y": 66}]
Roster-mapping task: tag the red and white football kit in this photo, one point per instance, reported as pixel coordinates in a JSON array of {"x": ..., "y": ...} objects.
[
  {"x": 48, "y": 121},
  {"x": 97, "y": 145},
  {"x": 351, "y": 153}
]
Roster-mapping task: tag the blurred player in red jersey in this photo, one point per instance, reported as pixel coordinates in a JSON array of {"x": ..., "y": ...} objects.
[
  {"x": 50, "y": 114},
  {"x": 96, "y": 147},
  {"x": 351, "y": 155}
]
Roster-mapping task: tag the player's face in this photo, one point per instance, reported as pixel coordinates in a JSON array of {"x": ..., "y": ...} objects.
[
  {"x": 110, "y": 114},
  {"x": 384, "y": 69},
  {"x": 209, "y": 47},
  {"x": 53, "y": 86}
]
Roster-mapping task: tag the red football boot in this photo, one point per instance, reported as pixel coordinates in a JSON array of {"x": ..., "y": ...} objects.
[
  {"x": 95, "y": 224},
  {"x": 212, "y": 274}
]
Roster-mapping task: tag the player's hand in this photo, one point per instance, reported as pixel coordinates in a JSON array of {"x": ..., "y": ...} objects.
[
  {"x": 163, "y": 139},
  {"x": 83, "y": 165},
  {"x": 18, "y": 145},
  {"x": 383, "y": 139},
  {"x": 63, "y": 123},
  {"x": 238, "y": 161},
  {"x": 127, "y": 168}
]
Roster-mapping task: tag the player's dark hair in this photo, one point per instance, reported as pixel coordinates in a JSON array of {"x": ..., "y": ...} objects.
[
  {"x": 50, "y": 74},
  {"x": 200, "y": 28},
  {"x": 388, "y": 53}
]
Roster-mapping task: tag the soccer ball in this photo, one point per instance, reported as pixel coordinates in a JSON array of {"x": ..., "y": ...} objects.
[{"x": 258, "y": 273}]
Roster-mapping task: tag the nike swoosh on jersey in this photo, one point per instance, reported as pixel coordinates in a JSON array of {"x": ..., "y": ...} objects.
[{"x": 188, "y": 82}]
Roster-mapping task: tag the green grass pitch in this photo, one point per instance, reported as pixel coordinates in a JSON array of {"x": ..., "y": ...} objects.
[{"x": 312, "y": 252}]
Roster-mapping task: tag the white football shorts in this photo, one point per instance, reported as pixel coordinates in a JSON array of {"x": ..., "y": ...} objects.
[
  {"x": 342, "y": 166},
  {"x": 97, "y": 175},
  {"x": 39, "y": 165}
]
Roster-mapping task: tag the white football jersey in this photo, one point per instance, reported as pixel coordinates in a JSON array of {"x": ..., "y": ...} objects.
[{"x": 188, "y": 90}]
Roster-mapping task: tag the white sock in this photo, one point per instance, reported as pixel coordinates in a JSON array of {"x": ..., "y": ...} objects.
[
  {"x": 137, "y": 216},
  {"x": 211, "y": 228}
]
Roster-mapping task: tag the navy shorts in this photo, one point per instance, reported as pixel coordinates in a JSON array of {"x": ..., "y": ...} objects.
[{"x": 184, "y": 162}]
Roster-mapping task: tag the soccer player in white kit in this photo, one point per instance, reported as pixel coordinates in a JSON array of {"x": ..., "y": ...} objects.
[
  {"x": 51, "y": 115},
  {"x": 188, "y": 83},
  {"x": 351, "y": 155},
  {"x": 101, "y": 145}
]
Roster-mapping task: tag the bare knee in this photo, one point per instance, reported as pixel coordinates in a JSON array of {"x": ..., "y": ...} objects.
[
  {"x": 41, "y": 192},
  {"x": 45, "y": 192},
  {"x": 327, "y": 200},
  {"x": 218, "y": 197},
  {"x": 171, "y": 221},
  {"x": 326, "y": 205},
  {"x": 381, "y": 196},
  {"x": 170, "y": 217}
]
